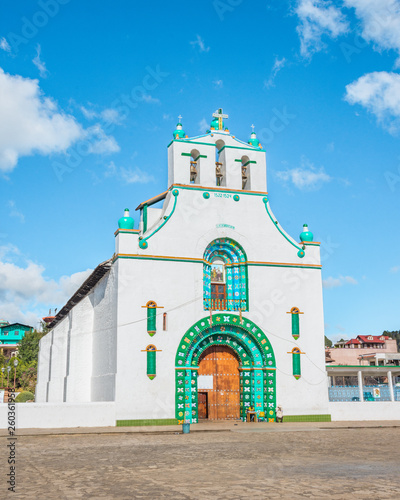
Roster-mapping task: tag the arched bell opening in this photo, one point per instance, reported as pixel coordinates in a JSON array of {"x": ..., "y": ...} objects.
[
  {"x": 220, "y": 166},
  {"x": 246, "y": 173},
  {"x": 195, "y": 166}
]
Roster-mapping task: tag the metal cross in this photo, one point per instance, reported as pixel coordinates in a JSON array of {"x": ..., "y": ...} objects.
[
  {"x": 252, "y": 127},
  {"x": 220, "y": 115},
  {"x": 180, "y": 118}
]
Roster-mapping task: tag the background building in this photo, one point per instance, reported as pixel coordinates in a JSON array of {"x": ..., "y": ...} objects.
[
  {"x": 365, "y": 350},
  {"x": 11, "y": 335}
]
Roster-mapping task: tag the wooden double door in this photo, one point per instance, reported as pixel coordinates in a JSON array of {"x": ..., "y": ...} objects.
[{"x": 222, "y": 402}]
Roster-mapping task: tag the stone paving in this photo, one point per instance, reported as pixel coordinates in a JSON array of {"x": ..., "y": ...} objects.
[{"x": 247, "y": 461}]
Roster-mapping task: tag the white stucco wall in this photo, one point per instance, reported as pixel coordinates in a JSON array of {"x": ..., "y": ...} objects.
[
  {"x": 43, "y": 368},
  {"x": 368, "y": 410},
  {"x": 105, "y": 343},
  {"x": 79, "y": 348},
  {"x": 58, "y": 362},
  {"x": 59, "y": 415}
]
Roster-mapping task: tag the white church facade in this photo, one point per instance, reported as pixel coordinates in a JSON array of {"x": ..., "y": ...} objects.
[{"x": 207, "y": 310}]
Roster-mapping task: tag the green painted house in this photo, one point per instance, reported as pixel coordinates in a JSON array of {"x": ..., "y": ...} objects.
[{"x": 12, "y": 334}]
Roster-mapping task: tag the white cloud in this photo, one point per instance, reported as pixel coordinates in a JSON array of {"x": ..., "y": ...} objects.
[
  {"x": 14, "y": 212},
  {"x": 136, "y": 176},
  {"x": 338, "y": 336},
  {"x": 41, "y": 66},
  {"x": 395, "y": 269},
  {"x": 89, "y": 114},
  {"x": 4, "y": 45},
  {"x": 278, "y": 65},
  {"x": 111, "y": 115},
  {"x": 203, "y": 125},
  {"x": 307, "y": 177},
  {"x": 380, "y": 22},
  {"x": 340, "y": 281},
  {"x": 30, "y": 122},
  {"x": 218, "y": 84},
  {"x": 133, "y": 175},
  {"x": 8, "y": 250},
  {"x": 199, "y": 42},
  {"x": 379, "y": 93},
  {"x": 167, "y": 117},
  {"x": 318, "y": 18},
  {"x": 26, "y": 293},
  {"x": 150, "y": 99},
  {"x": 108, "y": 115},
  {"x": 99, "y": 141}
]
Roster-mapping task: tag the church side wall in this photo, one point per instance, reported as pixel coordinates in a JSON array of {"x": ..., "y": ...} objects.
[
  {"x": 43, "y": 368},
  {"x": 55, "y": 393},
  {"x": 104, "y": 338},
  {"x": 79, "y": 348}
]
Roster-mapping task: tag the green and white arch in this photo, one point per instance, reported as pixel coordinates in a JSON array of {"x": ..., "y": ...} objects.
[{"x": 256, "y": 364}]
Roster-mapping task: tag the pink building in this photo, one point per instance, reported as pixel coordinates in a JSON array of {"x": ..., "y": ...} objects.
[{"x": 364, "y": 350}]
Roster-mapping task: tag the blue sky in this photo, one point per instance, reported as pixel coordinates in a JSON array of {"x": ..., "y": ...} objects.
[{"x": 90, "y": 93}]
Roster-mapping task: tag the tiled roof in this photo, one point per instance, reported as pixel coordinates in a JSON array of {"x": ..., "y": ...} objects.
[{"x": 371, "y": 339}]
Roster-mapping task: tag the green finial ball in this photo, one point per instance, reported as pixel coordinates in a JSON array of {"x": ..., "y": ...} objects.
[
  {"x": 179, "y": 132},
  {"x": 306, "y": 235},
  {"x": 126, "y": 222}
]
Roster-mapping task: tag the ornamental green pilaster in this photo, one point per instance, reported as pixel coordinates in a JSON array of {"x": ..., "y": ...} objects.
[
  {"x": 152, "y": 317},
  {"x": 295, "y": 312},
  {"x": 151, "y": 351},
  {"x": 296, "y": 363},
  {"x": 144, "y": 218}
]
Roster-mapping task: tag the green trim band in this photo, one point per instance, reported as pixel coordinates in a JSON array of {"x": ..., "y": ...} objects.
[
  {"x": 231, "y": 191},
  {"x": 188, "y": 154},
  {"x": 201, "y": 261},
  {"x": 301, "y": 252},
  {"x": 190, "y": 142},
  {"x": 236, "y": 147},
  {"x": 146, "y": 422},
  {"x": 272, "y": 264},
  {"x": 143, "y": 242},
  {"x": 307, "y": 418},
  {"x": 144, "y": 217},
  {"x": 250, "y": 161}
]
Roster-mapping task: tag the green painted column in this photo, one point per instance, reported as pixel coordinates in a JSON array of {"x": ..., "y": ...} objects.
[
  {"x": 295, "y": 325},
  {"x": 151, "y": 351},
  {"x": 295, "y": 312},
  {"x": 151, "y": 364},
  {"x": 144, "y": 218},
  {"x": 151, "y": 320},
  {"x": 296, "y": 363}
]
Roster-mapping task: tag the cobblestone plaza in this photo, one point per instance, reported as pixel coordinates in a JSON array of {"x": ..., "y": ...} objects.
[{"x": 227, "y": 461}]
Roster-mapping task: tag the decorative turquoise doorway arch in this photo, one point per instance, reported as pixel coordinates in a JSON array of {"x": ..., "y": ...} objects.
[{"x": 257, "y": 364}]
